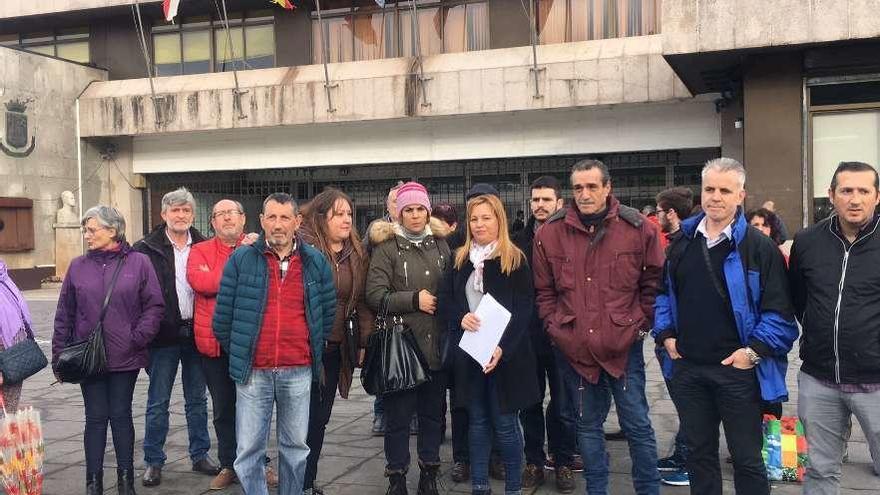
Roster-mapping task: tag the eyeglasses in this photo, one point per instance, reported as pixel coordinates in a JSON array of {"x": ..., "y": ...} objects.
[
  {"x": 232, "y": 213},
  {"x": 87, "y": 231}
]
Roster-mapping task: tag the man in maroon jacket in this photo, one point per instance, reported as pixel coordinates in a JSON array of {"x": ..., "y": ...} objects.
[{"x": 597, "y": 267}]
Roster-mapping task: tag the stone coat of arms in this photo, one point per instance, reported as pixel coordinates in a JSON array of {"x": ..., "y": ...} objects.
[{"x": 16, "y": 142}]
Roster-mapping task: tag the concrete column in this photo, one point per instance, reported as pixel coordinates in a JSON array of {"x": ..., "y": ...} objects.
[{"x": 773, "y": 134}]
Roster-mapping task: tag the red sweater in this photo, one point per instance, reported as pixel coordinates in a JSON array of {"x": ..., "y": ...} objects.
[{"x": 284, "y": 336}]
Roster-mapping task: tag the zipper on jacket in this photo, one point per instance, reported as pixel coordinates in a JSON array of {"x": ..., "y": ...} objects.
[
  {"x": 405, "y": 275},
  {"x": 278, "y": 321}
]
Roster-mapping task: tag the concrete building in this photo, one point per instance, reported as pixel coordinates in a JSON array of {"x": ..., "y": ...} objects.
[{"x": 652, "y": 87}]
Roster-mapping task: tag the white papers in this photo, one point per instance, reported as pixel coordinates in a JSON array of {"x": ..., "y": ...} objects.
[{"x": 493, "y": 320}]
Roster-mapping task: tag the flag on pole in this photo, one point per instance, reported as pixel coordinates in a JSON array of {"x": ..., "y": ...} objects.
[
  {"x": 283, "y": 3},
  {"x": 169, "y": 7}
]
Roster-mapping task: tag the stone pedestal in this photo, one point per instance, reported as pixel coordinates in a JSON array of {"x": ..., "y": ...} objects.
[{"x": 68, "y": 245}]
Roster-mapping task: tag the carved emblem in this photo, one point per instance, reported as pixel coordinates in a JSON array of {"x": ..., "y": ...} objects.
[{"x": 16, "y": 144}]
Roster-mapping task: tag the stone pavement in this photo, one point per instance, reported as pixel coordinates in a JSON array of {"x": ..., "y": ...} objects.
[{"x": 352, "y": 461}]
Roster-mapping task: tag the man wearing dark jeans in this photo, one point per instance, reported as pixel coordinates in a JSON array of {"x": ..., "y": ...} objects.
[
  {"x": 204, "y": 270},
  {"x": 725, "y": 321},
  {"x": 545, "y": 200}
]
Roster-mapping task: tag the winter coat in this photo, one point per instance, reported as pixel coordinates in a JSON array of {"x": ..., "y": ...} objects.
[
  {"x": 238, "y": 314},
  {"x": 516, "y": 378},
  {"x": 400, "y": 269},
  {"x": 595, "y": 292},
  {"x": 835, "y": 287},
  {"x": 212, "y": 253},
  {"x": 158, "y": 248},
  {"x": 133, "y": 313},
  {"x": 524, "y": 240},
  {"x": 350, "y": 276},
  {"x": 761, "y": 307}
]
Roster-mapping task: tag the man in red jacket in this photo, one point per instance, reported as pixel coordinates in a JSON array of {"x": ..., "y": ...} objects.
[
  {"x": 597, "y": 267},
  {"x": 203, "y": 271}
]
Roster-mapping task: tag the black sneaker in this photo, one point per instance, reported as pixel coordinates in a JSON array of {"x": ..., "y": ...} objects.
[
  {"x": 669, "y": 464},
  {"x": 378, "y": 428},
  {"x": 461, "y": 472}
]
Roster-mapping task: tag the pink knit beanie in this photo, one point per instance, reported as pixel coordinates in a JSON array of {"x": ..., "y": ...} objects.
[{"x": 412, "y": 193}]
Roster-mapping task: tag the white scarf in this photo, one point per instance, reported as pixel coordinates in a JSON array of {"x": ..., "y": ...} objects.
[{"x": 478, "y": 255}]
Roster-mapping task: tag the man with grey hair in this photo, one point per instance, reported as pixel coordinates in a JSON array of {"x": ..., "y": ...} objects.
[
  {"x": 597, "y": 265},
  {"x": 724, "y": 324},
  {"x": 275, "y": 308},
  {"x": 168, "y": 247}
]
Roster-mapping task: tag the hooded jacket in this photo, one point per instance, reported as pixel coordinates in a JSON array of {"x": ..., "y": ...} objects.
[
  {"x": 133, "y": 313},
  {"x": 159, "y": 250},
  {"x": 400, "y": 269},
  {"x": 757, "y": 288}
]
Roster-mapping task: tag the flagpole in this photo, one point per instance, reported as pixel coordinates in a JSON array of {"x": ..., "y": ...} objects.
[
  {"x": 327, "y": 85},
  {"x": 139, "y": 26},
  {"x": 417, "y": 49},
  {"x": 237, "y": 92},
  {"x": 533, "y": 32}
]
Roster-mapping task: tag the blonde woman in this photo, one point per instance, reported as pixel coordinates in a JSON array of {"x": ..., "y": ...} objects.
[{"x": 489, "y": 263}]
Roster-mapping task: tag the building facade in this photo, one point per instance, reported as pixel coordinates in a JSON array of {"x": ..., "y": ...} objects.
[{"x": 241, "y": 104}]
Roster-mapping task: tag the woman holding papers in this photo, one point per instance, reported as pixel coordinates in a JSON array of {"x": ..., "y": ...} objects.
[
  {"x": 491, "y": 277},
  {"x": 408, "y": 261}
]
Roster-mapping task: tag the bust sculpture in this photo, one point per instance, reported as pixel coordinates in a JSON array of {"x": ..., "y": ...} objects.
[{"x": 67, "y": 214}]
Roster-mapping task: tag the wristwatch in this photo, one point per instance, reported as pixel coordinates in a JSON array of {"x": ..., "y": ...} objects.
[{"x": 752, "y": 355}]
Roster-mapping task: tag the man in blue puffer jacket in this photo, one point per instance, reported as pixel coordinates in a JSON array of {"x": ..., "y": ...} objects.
[
  {"x": 275, "y": 309},
  {"x": 724, "y": 322}
]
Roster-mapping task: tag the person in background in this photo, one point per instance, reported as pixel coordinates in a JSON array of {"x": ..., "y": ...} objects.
[
  {"x": 673, "y": 206},
  {"x": 767, "y": 222},
  {"x": 494, "y": 392},
  {"x": 328, "y": 226},
  {"x": 131, "y": 322},
  {"x": 408, "y": 261},
  {"x": 783, "y": 230},
  {"x": 520, "y": 221},
  {"x": 545, "y": 201}
]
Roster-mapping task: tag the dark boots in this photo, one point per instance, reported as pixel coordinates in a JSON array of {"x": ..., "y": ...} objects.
[
  {"x": 125, "y": 483},
  {"x": 396, "y": 484},
  {"x": 428, "y": 479},
  {"x": 95, "y": 483}
]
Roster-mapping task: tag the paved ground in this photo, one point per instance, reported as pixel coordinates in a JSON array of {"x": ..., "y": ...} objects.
[{"x": 353, "y": 461}]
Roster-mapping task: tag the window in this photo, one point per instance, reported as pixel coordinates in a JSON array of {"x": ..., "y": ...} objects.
[
  {"x": 367, "y": 32},
  {"x": 70, "y": 44},
  {"x": 560, "y": 21},
  {"x": 201, "y": 44},
  {"x": 16, "y": 224}
]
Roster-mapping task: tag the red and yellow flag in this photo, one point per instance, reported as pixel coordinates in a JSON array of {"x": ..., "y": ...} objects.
[{"x": 283, "y": 3}]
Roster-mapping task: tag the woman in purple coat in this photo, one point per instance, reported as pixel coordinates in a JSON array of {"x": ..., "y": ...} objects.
[{"x": 131, "y": 322}]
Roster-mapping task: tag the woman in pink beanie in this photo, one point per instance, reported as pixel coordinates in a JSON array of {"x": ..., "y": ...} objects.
[{"x": 409, "y": 258}]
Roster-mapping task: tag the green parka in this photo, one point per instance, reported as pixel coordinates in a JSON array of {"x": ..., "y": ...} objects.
[{"x": 401, "y": 268}]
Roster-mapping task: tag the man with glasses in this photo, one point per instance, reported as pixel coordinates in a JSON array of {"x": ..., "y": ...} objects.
[
  {"x": 168, "y": 247},
  {"x": 204, "y": 269}
]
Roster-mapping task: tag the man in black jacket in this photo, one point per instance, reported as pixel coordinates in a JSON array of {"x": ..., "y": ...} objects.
[
  {"x": 168, "y": 248},
  {"x": 546, "y": 199},
  {"x": 834, "y": 274}
]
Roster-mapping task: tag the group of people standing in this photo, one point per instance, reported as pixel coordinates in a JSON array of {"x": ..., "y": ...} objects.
[{"x": 280, "y": 319}]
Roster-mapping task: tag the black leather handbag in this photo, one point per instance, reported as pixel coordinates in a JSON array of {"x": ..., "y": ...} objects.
[
  {"x": 393, "y": 361},
  {"x": 88, "y": 358},
  {"x": 23, "y": 359}
]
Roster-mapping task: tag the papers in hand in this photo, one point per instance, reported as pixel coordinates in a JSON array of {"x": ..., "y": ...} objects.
[{"x": 493, "y": 320}]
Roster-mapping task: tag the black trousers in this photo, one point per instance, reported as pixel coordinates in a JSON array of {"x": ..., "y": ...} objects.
[
  {"x": 561, "y": 440},
  {"x": 709, "y": 395},
  {"x": 460, "y": 424},
  {"x": 222, "y": 390},
  {"x": 320, "y": 407},
  {"x": 426, "y": 401},
  {"x": 107, "y": 398}
]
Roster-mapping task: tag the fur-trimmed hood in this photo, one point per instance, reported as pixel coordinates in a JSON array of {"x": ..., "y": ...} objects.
[{"x": 382, "y": 230}]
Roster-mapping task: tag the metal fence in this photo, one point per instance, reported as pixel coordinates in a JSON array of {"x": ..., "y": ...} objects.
[{"x": 636, "y": 178}]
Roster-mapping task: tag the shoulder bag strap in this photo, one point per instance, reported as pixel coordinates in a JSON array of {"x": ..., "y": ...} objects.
[{"x": 110, "y": 289}]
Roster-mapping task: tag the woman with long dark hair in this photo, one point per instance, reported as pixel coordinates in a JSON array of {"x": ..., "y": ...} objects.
[{"x": 328, "y": 225}]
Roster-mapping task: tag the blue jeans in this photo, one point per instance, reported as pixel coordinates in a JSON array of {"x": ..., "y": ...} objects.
[
  {"x": 485, "y": 415},
  {"x": 632, "y": 410},
  {"x": 290, "y": 389},
  {"x": 162, "y": 370}
]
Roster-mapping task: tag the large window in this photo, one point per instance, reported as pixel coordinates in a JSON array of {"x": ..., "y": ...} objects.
[
  {"x": 560, "y": 21},
  {"x": 202, "y": 44},
  {"x": 366, "y": 32},
  {"x": 70, "y": 44},
  {"x": 844, "y": 127}
]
